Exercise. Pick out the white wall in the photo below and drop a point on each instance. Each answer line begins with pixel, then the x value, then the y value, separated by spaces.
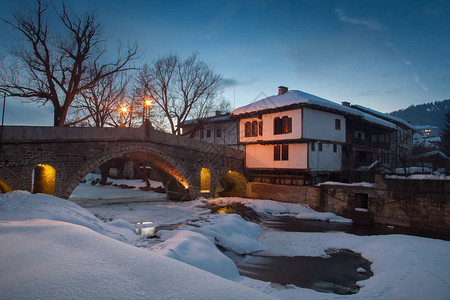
pixel 325 160
pixel 320 125
pixel 261 157
pixel 267 120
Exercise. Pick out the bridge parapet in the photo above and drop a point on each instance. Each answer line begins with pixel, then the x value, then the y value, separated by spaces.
pixel 43 134
pixel 46 133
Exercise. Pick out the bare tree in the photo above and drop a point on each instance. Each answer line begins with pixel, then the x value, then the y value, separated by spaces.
pixel 181 89
pixel 56 67
pixel 100 104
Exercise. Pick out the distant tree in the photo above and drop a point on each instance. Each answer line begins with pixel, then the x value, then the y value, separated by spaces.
pixel 57 66
pixel 180 89
pixel 445 136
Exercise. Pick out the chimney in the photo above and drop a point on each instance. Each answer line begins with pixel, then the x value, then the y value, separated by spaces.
pixel 218 113
pixel 345 103
pixel 282 90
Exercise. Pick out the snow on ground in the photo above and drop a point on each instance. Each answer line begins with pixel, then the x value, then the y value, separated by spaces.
pixel 405 267
pixel 86 190
pixel 51 248
pixel 21 206
pixel 43 259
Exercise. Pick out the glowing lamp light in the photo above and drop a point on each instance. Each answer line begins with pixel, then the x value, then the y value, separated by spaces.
pixel 124 109
pixel 148 102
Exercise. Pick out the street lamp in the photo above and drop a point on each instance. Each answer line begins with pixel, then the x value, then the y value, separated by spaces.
pixel 147 104
pixel 123 111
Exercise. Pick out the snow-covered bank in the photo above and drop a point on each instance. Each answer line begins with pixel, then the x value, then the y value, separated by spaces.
pixel 51 248
pixel 275 208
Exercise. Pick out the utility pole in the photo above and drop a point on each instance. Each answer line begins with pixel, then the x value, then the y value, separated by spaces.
pixel 3 121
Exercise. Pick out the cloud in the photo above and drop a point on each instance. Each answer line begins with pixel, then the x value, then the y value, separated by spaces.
pixel 394 49
pixel 370 23
pixel 419 82
pixel 231 82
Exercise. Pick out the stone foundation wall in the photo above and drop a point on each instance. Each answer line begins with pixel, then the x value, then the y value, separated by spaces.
pixel 422 204
pixel 287 193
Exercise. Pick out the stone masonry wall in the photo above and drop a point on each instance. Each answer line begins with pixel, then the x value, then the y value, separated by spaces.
pixel 287 193
pixel 422 204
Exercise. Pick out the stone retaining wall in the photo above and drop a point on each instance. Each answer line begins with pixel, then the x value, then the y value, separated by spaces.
pixel 422 204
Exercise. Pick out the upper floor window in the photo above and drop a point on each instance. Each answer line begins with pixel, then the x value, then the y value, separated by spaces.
pixel 320 146
pixel 253 128
pixel 334 148
pixel 282 125
pixel 208 132
pixel 337 124
pixel 313 146
pixel 218 132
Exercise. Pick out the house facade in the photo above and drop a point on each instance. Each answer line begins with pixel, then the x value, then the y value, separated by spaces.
pixel 218 129
pixel 298 138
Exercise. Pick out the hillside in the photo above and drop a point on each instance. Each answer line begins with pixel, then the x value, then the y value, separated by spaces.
pixel 432 113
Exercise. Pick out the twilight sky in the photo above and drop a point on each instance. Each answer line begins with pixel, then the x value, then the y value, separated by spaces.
pixel 385 55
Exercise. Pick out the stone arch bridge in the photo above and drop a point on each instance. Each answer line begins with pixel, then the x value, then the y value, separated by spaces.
pixel 73 152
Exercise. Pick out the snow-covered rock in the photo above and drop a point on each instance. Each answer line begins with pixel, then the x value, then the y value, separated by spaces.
pixel 196 250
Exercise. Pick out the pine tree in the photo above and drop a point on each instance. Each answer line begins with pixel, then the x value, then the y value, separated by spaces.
pixel 445 136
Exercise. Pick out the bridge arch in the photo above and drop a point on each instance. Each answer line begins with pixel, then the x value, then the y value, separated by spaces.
pixel 11 180
pixel 46 159
pixel 231 183
pixel 174 174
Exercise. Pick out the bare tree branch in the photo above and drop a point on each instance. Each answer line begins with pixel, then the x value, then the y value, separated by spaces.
pixel 57 66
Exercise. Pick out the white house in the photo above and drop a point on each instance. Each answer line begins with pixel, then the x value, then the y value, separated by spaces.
pixel 296 138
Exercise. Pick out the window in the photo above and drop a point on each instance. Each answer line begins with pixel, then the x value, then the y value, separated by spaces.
pixel 337 124
pixel 282 125
pixel 202 134
pixel 320 146
pixel 334 148
pixel 313 146
pixel 285 152
pixel 360 135
pixel 276 152
pixel 208 132
pixel 260 125
pixel 277 126
pixel 362 200
pixel 218 132
pixel 255 128
pixel 281 149
pixel 248 129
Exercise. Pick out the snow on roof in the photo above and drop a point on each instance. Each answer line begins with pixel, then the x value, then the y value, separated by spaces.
pixel 221 118
pixel 421 127
pixel 384 116
pixel 298 97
